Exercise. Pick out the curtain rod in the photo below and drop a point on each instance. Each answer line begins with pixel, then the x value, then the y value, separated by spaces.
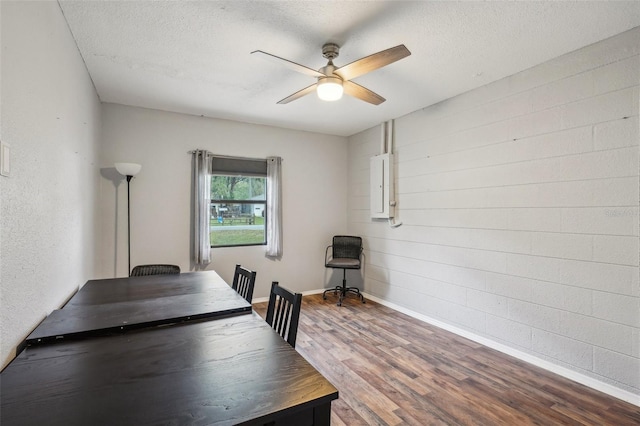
pixel 228 156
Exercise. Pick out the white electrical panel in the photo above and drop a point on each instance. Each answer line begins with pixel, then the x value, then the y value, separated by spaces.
pixel 381 187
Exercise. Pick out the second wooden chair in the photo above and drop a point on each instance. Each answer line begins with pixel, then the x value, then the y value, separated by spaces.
pixel 283 312
pixel 243 282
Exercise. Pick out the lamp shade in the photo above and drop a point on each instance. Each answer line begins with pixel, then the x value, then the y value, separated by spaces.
pixel 329 88
pixel 128 169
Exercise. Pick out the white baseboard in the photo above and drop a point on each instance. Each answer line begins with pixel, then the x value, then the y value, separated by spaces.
pixel 549 366
pixel 304 293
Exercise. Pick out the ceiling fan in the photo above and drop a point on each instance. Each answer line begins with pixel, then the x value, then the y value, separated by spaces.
pixel 333 81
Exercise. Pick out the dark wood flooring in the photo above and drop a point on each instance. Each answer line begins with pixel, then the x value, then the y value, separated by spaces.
pixel 391 369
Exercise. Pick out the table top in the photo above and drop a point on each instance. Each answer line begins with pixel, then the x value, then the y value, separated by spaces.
pixel 114 290
pixel 232 370
pixel 122 304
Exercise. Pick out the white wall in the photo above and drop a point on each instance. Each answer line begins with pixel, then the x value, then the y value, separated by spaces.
pixel 50 117
pixel 520 210
pixel 314 193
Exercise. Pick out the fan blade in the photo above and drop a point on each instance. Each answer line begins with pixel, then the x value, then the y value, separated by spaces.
pixel 362 93
pixel 296 67
pixel 299 94
pixel 372 62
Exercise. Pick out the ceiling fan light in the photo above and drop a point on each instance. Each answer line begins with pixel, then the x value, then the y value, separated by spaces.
pixel 329 88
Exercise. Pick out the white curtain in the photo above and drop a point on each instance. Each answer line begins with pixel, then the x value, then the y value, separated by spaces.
pixel 274 207
pixel 201 179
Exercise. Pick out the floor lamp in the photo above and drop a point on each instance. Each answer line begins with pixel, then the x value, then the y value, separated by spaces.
pixel 129 170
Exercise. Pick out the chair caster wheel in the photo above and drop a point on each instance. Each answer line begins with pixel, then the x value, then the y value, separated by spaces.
pixel 324 297
pixel 364 301
pixel 339 304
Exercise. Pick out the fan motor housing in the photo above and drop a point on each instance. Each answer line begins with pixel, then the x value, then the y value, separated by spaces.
pixel 330 51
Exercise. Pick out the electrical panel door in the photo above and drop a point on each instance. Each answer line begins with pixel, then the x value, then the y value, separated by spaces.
pixel 381 186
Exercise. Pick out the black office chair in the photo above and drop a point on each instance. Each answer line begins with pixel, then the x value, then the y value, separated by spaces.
pixel 346 253
pixel 283 312
pixel 142 270
pixel 243 282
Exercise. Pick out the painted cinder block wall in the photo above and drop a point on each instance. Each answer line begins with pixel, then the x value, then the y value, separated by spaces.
pixel 519 203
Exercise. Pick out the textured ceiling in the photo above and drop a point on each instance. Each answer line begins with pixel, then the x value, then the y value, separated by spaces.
pixel 194 57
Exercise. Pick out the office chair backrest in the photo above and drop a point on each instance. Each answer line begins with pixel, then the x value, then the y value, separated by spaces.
pixel 346 247
pixel 142 270
pixel 283 312
pixel 243 282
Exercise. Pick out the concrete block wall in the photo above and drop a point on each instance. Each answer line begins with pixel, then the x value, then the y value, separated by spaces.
pixel 519 202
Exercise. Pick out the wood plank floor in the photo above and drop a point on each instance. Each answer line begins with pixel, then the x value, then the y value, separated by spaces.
pixel 391 369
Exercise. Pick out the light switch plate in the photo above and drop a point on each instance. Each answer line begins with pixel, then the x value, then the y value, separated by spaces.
pixel 5 159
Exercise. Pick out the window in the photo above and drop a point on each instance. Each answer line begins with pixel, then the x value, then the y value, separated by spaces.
pixel 238 202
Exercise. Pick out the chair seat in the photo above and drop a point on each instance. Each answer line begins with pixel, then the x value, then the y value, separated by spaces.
pixel 342 262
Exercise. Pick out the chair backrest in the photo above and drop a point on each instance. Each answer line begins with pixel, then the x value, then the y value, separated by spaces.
pixel 142 270
pixel 243 282
pixel 283 312
pixel 346 247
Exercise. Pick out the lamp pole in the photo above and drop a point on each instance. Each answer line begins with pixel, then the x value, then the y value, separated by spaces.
pixel 129 170
pixel 129 177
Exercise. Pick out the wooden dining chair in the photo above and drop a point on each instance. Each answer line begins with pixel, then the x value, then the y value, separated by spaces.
pixel 283 312
pixel 142 270
pixel 243 282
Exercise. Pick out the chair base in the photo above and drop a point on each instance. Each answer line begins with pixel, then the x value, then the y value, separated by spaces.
pixel 343 290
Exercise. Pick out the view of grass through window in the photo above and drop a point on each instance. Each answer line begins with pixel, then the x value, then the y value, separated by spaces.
pixel 238 209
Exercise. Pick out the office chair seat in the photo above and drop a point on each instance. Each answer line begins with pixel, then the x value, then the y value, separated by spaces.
pixel 343 263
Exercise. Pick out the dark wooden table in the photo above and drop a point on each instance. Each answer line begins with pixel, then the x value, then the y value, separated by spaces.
pixel 229 371
pixel 115 305
pixel 150 287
